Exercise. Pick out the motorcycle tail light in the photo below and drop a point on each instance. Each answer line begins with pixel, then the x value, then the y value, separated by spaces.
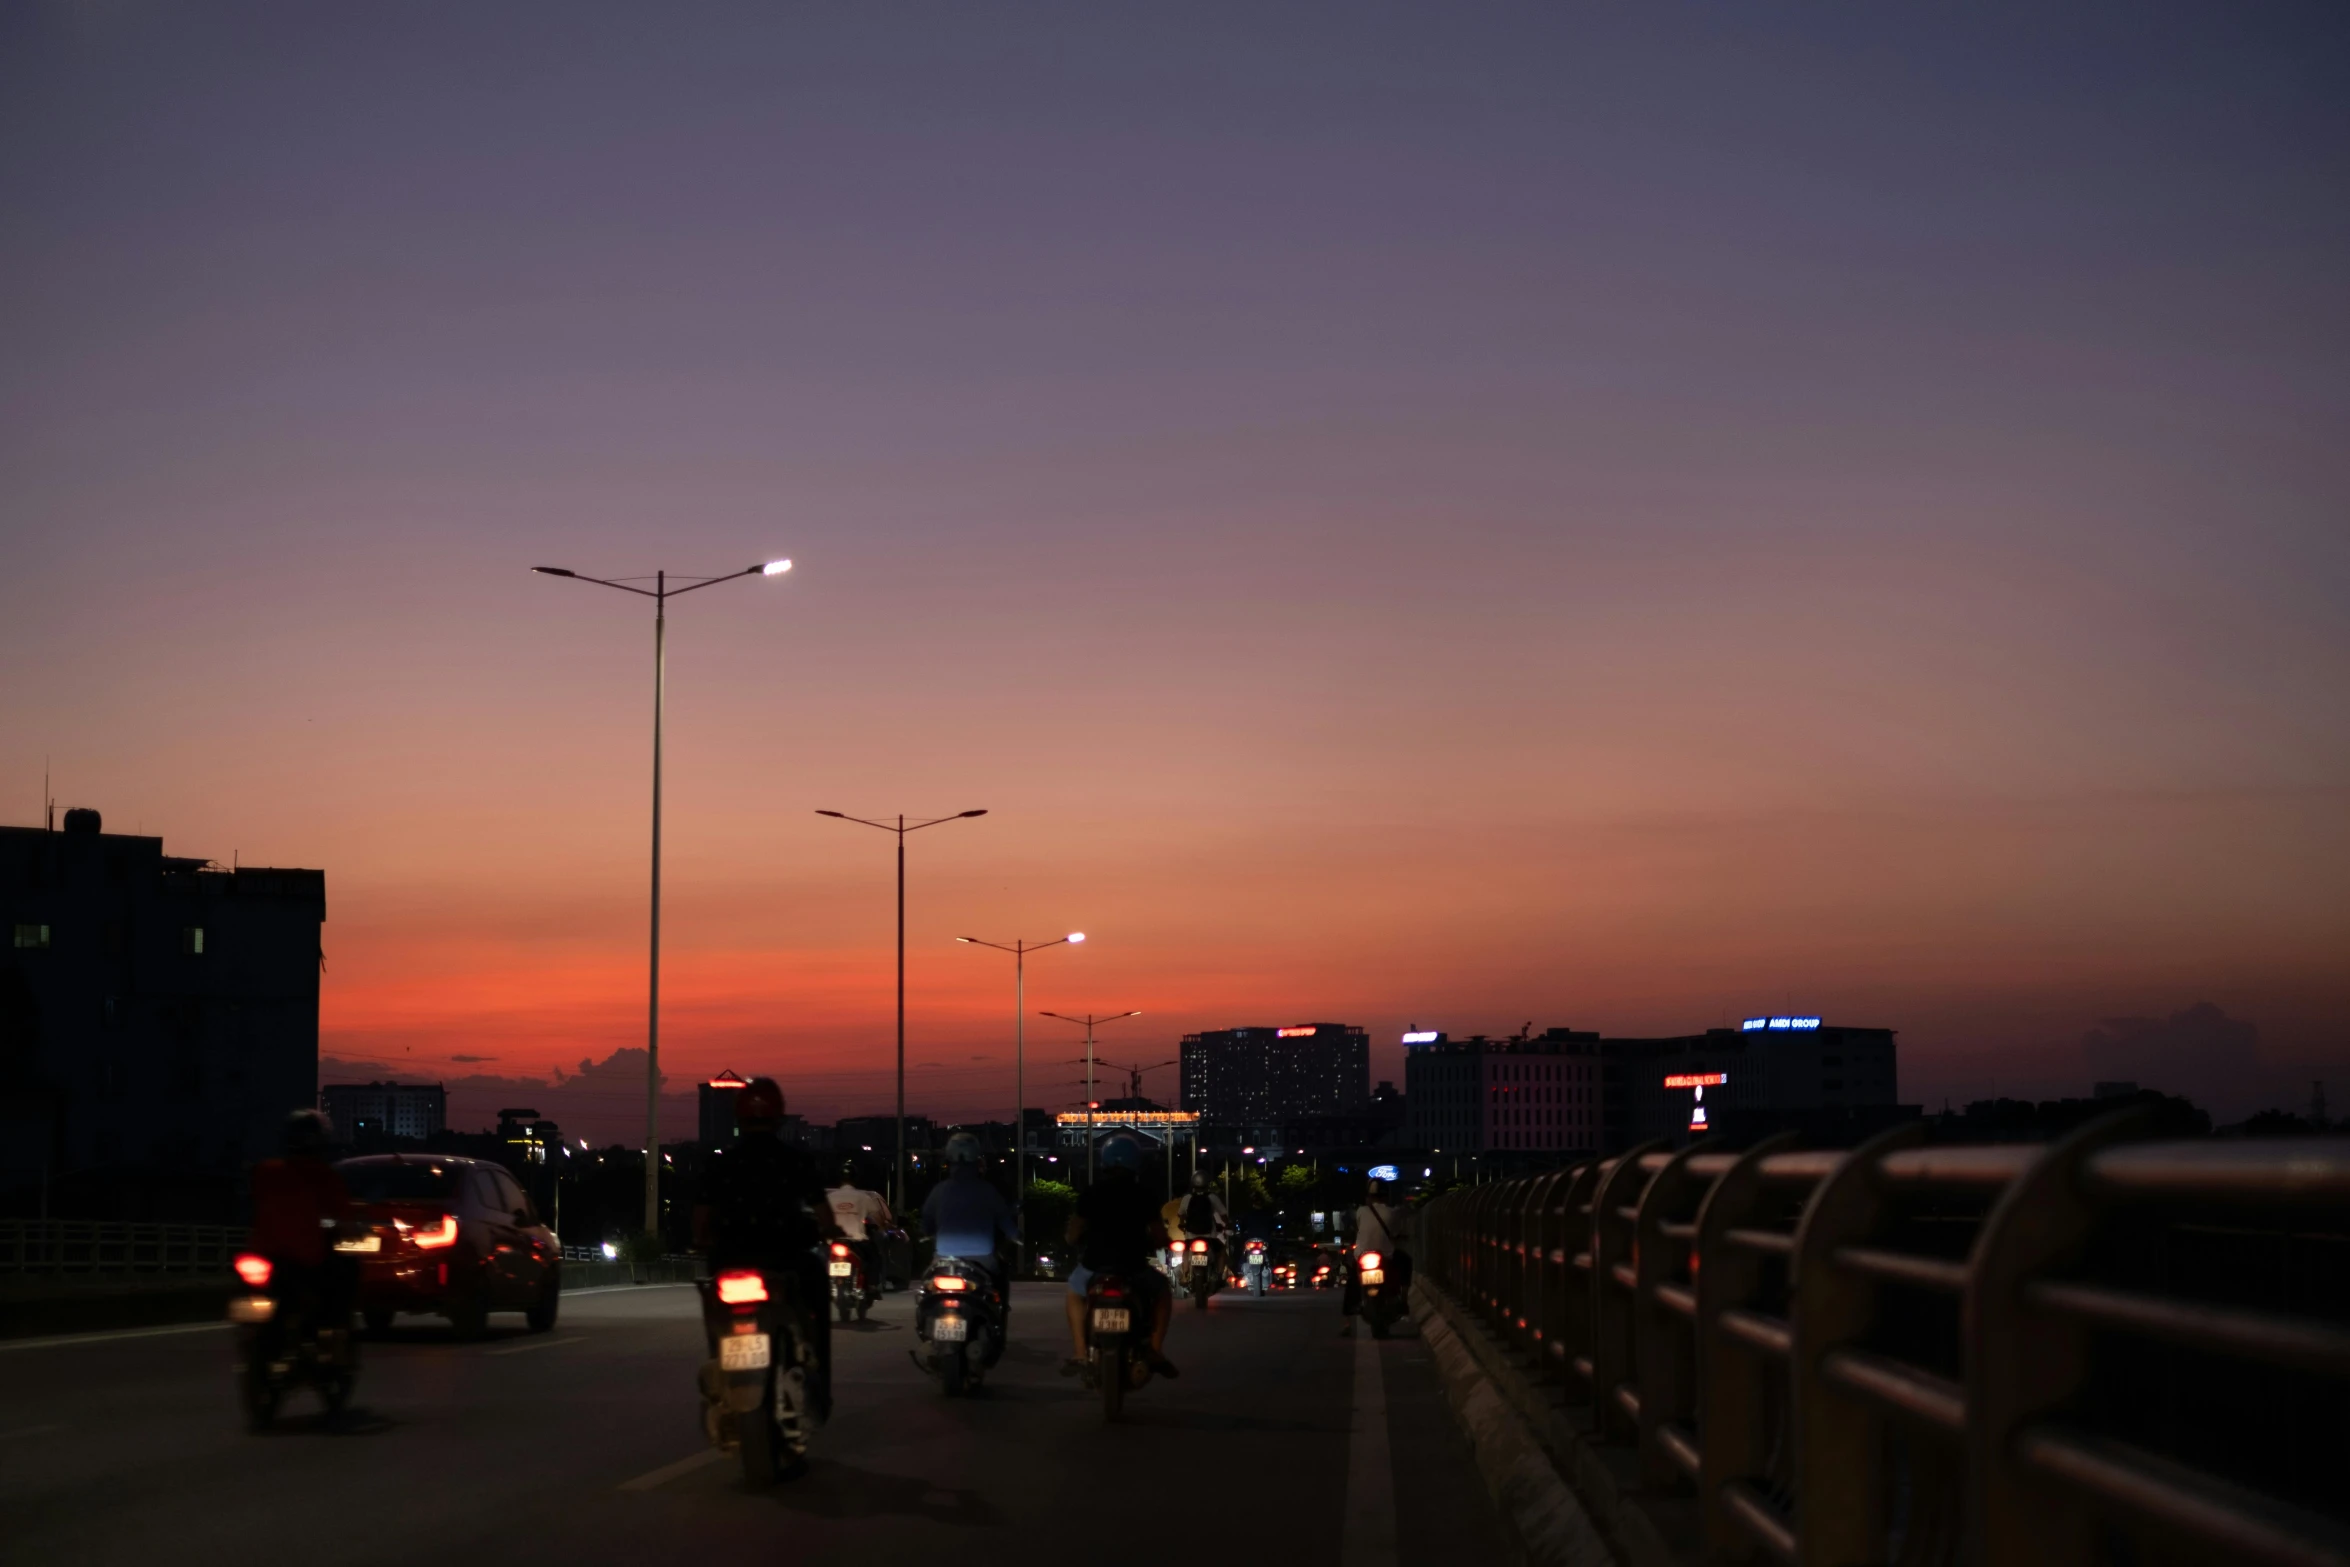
pixel 1199 1245
pixel 253 1270
pixel 1369 1259
pixel 839 1250
pixel 950 1282
pixel 741 1287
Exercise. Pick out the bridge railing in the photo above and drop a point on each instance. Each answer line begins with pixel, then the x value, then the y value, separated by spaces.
pixel 2103 1348
pixel 107 1248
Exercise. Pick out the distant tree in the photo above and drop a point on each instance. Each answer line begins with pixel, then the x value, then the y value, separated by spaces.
pixel 1045 1210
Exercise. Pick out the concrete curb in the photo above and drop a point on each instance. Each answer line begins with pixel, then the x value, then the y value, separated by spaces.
pixel 1533 1455
pixel 1548 1523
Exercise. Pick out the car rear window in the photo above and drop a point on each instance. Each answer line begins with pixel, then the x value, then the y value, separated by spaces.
pixel 400 1182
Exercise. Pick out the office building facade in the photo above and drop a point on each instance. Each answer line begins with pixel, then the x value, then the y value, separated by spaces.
pixel 158 1014
pixel 1544 1094
pixel 1272 1076
pixel 371 1115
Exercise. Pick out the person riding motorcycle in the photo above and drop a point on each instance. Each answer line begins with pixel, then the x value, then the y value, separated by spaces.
pixel 764 1207
pixel 299 1203
pixel 861 1216
pixel 1378 1227
pixel 1117 1228
pixel 964 1215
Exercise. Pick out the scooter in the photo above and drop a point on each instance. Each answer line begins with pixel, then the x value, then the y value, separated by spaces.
pixel 758 1393
pixel 1117 1329
pixel 853 1294
pixel 959 1317
pixel 284 1341
pixel 1255 1255
pixel 1382 1303
pixel 1203 1270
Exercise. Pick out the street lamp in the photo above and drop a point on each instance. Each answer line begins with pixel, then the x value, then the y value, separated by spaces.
pixel 660 593
pixel 897 1198
pixel 1090 1022
pixel 1019 951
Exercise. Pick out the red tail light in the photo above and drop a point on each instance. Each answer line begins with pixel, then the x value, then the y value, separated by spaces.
pixel 1369 1259
pixel 839 1249
pixel 253 1270
pixel 441 1232
pixel 950 1282
pixel 1199 1245
pixel 741 1287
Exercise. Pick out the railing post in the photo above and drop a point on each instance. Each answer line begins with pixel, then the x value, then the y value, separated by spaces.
pixel 1664 1348
pixel 1611 1302
pixel 1736 1439
pixel 2021 1363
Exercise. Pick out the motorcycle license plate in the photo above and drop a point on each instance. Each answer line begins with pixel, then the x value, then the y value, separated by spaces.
pixel 843 1270
pixel 1109 1319
pixel 1374 1275
pixel 743 1352
pixel 252 1308
pixel 361 1243
pixel 949 1330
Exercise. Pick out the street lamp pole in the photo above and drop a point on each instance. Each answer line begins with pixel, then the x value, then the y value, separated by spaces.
pixel 1019 951
pixel 901 827
pixel 660 593
pixel 1089 1020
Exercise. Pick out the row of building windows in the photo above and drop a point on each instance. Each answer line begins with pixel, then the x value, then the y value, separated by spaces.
pixel 35 938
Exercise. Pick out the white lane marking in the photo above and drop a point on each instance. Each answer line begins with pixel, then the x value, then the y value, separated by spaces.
pixel 109 1338
pixel 613 1289
pixel 1367 1532
pixel 27 1431
pixel 669 1472
pixel 545 1343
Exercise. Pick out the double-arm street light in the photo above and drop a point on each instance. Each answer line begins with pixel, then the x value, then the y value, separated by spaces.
pixel 901 827
pixel 660 593
pixel 1089 1022
pixel 1019 951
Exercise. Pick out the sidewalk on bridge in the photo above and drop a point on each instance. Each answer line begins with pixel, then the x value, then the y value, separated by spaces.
pixel 1571 1501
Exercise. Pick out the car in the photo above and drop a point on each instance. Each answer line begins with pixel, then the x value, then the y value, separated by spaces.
pixel 445 1236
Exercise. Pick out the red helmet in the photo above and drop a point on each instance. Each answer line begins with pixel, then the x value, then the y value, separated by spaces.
pixel 759 1100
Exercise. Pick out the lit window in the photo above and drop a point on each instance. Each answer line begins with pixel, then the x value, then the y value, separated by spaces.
pixel 36 936
pixel 192 940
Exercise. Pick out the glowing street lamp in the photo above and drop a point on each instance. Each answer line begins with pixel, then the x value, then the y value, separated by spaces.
pixel 1019 951
pixel 660 593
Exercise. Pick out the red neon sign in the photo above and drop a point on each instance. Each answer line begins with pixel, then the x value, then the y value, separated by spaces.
pixel 1294 1033
pixel 1697 1080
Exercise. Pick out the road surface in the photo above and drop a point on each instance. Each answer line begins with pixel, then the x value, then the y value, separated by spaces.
pixel 1281 1442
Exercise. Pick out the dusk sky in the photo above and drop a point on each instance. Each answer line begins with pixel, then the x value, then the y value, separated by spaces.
pixel 1620 517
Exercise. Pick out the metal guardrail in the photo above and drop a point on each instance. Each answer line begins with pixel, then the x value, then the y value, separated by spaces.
pixel 2099 1349
pixel 105 1248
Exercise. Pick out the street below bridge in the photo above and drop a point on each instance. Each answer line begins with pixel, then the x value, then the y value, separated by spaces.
pixel 1281 1441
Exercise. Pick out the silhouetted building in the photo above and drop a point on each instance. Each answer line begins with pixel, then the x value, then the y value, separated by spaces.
pixel 372 1115
pixel 1543 1095
pixel 878 1134
pixel 1766 1075
pixel 717 1107
pixel 1270 1076
pixel 158 1018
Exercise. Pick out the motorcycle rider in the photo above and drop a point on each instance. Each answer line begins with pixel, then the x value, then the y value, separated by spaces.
pixel 964 1214
pixel 1378 1227
pixel 862 1215
pixel 1116 1227
pixel 763 1206
pixel 299 1202
pixel 1204 1215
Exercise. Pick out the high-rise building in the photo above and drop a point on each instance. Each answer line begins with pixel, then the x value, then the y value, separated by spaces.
pixel 1269 1076
pixel 369 1115
pixel 717 1107
pixel 1545 1094
pixel 158 1015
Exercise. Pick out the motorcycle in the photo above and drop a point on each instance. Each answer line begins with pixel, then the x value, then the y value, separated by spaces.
pixel 1256 1269
pixel 284 1341
pixel 1117 1327
pixel 1382 1303
pixel 1203 1270
pixel 758 1394
pixel 959 1316
pixel 853 1294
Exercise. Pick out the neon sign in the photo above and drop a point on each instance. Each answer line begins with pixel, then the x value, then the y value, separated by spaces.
pixel 1751 1024
pixel 1294 1033
pixel 1425 1036
pixel 1697 1080
pixel 1383 1172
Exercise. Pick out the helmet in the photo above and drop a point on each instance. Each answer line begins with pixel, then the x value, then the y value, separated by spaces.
pixel 759 1100
pixel 1121 1153
pixel 848 1172
pixel 963 1148
pixel 1199 1180
pixel 306 1132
